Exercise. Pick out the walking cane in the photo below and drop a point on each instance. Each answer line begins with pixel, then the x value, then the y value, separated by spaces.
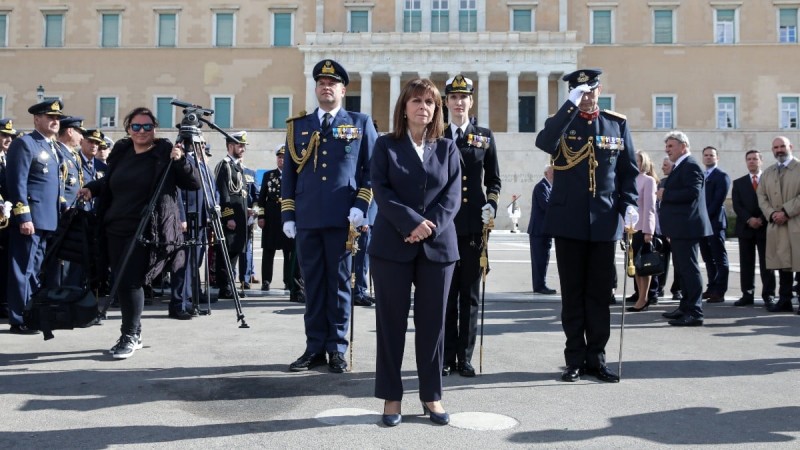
pixel 484 270
pixel 630 272
pixel 352 246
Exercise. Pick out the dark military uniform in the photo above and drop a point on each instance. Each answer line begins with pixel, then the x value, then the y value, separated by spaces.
pixel 594 182
pixel 233 202
pixel 246 261
pixel 326 174
pixel 479 169
pixel 32 179
pixel 7 129
pixel 272 237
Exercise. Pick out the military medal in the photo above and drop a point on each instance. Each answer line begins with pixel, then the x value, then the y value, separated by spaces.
pixel 347 149
pixel 478 141
pixel 44 156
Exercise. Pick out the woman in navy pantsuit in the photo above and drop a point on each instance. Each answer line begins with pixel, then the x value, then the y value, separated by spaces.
pixel 416 180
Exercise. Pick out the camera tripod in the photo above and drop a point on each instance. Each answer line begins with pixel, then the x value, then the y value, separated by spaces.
pixel 191 139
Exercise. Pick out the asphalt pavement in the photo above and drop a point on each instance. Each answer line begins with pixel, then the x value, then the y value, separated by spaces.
pixel 207 383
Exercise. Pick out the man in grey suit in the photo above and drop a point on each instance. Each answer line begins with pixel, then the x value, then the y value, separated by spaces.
pixel 684 220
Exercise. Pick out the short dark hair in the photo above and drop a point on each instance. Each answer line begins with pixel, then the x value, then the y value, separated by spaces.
pixel 749 152
pixel 141 110
pixel 708 147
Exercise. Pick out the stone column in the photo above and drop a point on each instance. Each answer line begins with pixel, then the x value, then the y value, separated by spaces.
pixel 562 91
pixel 542 100
pixel 394 92
pixel 424 75
pixel 311 99
pixel 562 15
pixel 483 100
pixel 366 92
pixel 512 124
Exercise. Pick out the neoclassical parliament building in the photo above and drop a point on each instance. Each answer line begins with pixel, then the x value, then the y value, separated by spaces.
pixel 724 71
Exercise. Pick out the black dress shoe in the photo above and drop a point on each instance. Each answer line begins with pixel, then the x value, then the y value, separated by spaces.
pixel 602 373
pixel 297 297
pixel 686 321
pixel 225 294
pixel 467 370
pixel 22 329
pixel 706 295
pixel 677 295
pixel 308 360
pixel 635 309
pixel 437 418
pixel 336 362
pixel 652 300
pixel 361 301
pixel 447 368
pixel 545 291
pixel 571 374
pixel 715 298
pixel 674 314
pixel 245 285
pixel 783 305
pixel 180 315
pixel 769 301
pixel 265 286
pixel 633 298
pixel 660 293
pixel 744 301
pixel 612 300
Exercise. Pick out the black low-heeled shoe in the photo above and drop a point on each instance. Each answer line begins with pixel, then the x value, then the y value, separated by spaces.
pixel 635 309
pixel 437 418
pixel 391 420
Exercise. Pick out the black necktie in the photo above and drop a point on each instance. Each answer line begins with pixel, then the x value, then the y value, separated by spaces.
pixel 326 121
pixel 459 134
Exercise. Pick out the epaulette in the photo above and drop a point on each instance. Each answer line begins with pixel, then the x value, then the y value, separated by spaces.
pixel 615 114
pixel 301 114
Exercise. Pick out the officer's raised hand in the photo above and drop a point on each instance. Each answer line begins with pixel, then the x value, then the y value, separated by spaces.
pixel 487 213
pixel 290 229
pixel 356 217
pixel 576 93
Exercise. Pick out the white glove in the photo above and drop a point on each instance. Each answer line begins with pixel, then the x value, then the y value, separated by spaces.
pixel 356 217
pixel 6 207
pixel 631 217
pixel 487 213
pixel 289 229
pixel 576 93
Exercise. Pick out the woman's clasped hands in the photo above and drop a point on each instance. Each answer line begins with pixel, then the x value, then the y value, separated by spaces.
pixel 421 232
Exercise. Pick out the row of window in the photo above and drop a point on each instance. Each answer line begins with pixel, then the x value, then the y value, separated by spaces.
pixel 167 24
pixel 726 25
pixel 168 115
pixel 727 107
pixel 664 111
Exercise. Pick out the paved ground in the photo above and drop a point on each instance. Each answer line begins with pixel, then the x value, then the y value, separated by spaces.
pixel 205 383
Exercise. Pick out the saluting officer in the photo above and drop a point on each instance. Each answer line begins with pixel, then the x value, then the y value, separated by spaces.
pixel 478 169
pixel 594 189
pixel 34 191
pixel 233 202
pixel 325 188
pixel 7 134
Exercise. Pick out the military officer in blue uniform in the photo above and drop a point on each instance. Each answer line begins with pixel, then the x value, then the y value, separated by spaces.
pixel 33 185
pixel 232 192
pixel 93 168
pixel 594 194
pixel 325 188
pixel 479 169
pixel 70 135
pixel 7 134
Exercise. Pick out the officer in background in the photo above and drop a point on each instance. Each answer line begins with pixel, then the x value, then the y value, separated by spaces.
pixel 246 261
pixel 70 135
pixel 233 202
pixel 325 189
pixel 269 220
pixel 479 168
pixel 33 189
pixel 93 168
pixel 361 260
pixel 540 242
pixel 594 189
pixel 7 134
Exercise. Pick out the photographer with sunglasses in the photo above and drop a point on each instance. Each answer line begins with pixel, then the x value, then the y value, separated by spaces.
pixel 135 166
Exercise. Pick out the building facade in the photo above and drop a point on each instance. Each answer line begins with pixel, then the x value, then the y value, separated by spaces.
pixel 722 70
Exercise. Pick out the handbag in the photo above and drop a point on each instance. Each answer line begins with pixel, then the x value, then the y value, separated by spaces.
pixel 61 308
pixel 650 263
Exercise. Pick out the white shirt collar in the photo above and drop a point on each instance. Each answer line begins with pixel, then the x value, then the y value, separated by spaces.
pixel 454 128
pixel 321 112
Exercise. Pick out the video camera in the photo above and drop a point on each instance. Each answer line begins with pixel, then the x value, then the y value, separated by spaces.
pixel 192 121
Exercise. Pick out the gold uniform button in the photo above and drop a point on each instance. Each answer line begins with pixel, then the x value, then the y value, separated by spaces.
pixel 324 152
pixel 464 189
pixel 324 178
pixel 324 140
pixel 465 200
pixel 464 178
pixel 324 165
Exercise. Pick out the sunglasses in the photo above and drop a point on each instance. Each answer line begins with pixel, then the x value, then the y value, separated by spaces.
pixel 137 127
